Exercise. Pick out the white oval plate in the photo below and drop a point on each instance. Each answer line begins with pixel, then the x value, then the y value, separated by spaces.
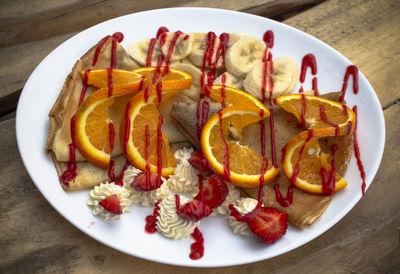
pixel 222 247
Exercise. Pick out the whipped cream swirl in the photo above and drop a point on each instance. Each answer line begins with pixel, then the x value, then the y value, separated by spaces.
pixel 170 224
pixel 104 190
pixel 243 206
pixel 185 177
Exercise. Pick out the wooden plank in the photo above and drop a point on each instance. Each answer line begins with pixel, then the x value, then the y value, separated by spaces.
pixel 26 40
pixel 77 15
pixel 366 32
pixel 32 234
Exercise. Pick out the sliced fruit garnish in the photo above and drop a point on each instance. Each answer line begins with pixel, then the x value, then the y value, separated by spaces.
pixel 214 192
pixel 268 224
pixel 140 123
pixel 102 77
pixel 93 126
pixel 198 161
pixel 302 161
pixel 318 113
pixel 171 78
pixel 235 97
pixel 307 167
pixel 146 181
pixel 194 210
pixel 111 204
pixel 237 163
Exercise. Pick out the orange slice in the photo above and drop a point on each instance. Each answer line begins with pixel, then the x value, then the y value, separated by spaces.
pixel 303 160
pixel 92 122
pixel 235 97
pixel 319 113
pixel 101 77
pixel 245 165
pixel 171 78
pixel 140 114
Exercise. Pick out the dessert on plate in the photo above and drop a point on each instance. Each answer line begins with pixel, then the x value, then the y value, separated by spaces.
pixel 196 125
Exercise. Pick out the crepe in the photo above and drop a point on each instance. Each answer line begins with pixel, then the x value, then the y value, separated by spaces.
pixel 306 207
pixel 59 136
pixel 184 116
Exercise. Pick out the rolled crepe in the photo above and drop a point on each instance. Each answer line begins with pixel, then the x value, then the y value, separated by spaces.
pixel 306 208
pixel 59 136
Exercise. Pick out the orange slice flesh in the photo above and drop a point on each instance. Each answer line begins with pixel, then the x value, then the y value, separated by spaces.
pixel 245 165
pixel 309 160
pixel 302 155
pixel 92 122
pixel 235 97
pixel 171 78
pixel 314 108
pixel 138 115
pixel 100 77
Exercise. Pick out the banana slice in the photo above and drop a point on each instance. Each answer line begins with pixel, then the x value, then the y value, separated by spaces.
pixel 199 44
pixel 230 80
pixel 234 37
pixel 195 90
pixel 244 55
pixel 138 50
pixel 285 76
pixel 181 48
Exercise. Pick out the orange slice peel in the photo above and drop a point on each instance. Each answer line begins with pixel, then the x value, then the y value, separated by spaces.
pixel 139 114
pixel 101 77
pixel 234 97
pixel 302 160
pixel 92 123
pixel 169 78
pixel 245 165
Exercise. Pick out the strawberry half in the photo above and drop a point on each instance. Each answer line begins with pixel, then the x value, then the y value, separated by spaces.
pixel 194 210
pixel 267 223
pixel 111 204
pixel 146 181
pixel 198 161
pixel 214 192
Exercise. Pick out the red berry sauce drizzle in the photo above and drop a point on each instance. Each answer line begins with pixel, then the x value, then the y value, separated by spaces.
pixel 328 180
pixel 151 220
pixel 70 174
pixel 352 70
pixel 309 62
pixel 197 248
pixel 268 84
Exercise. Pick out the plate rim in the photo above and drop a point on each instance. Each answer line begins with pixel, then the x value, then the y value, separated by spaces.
pixel 322 230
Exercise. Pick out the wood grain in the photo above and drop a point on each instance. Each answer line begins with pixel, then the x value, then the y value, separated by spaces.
pixel 35 238
pixel 25 40
pixel 366 32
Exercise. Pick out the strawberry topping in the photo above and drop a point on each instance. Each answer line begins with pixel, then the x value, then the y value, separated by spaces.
pixel 267 223
pixel 198 161
pixel 214 192
pixel 194 210
pixel 146 181
pixel 111 204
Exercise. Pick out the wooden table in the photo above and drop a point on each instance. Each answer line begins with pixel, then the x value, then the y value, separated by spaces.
pixel 35 238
